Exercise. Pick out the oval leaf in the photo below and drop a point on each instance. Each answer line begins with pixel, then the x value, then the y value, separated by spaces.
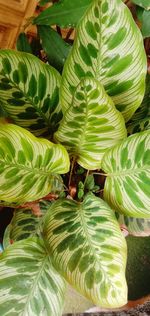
pixel 91 125
pixel 28 165
pixel 109 47
pixel 29 90
pixel 128 168
pixel 79 236
pixel 29 284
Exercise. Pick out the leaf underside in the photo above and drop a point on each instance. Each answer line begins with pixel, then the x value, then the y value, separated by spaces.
pixel 128 168
pixel 109 47
pixel 29 285
pixel 91 125
pixel 28 165
pixel 79 239
pixel 29 90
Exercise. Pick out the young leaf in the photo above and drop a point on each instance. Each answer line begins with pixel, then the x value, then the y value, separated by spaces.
pixel 23 43
pixel 28 165
pixel 128 168
pixel 65 13
pixel 55 47
pixel 109 47
pixel 142 3
pixel 79 237
pixel 135 226
pixel 91 125
pixel 29 90
pixel 29 284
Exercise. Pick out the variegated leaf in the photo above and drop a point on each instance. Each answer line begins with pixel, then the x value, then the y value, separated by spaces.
pixel 144 110
pixel 28 165
pixel 127 186
pixel 25 224
pixel 91 125
pixel 29 284
pixel 134 226
pixel 88 249
pixel 29 90
pixel 139 126
pixel 109 47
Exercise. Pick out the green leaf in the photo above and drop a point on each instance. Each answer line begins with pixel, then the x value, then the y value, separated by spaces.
pixel 146 24
pixel 25 224
pixel 65 13
pixel 139 126
pixel 135 226
pixel 29 90
pixel 90 182
pixel 28 165
pixel 142 3
pixel 91 125
pixel 55 47
pixel 29 284
pixel 23 43
pixel 109 47
pixel 128 176
pixel 144 110
pixel 79 237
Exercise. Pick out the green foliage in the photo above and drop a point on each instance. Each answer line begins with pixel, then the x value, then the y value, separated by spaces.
pixel 128 169
pixel 92 113
pixel 79 239
pixel 116 59
pixel 28 165
pixel 102 85
pixel 64 13
pixel 55 47
pixel 142 3
pixel 134 226
pixel 23 43
pixel 33 285
pixel 29 92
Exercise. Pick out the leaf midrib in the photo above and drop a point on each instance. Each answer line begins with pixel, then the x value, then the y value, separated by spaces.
pixel 30 101
pixel 26 168
pixel 34 285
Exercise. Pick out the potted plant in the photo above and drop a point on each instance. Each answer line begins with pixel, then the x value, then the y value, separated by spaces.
pixel 67 165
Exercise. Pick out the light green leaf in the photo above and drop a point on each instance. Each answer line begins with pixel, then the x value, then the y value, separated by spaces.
pixel 29 90
pixel 28 165
pixel 139 126
pixel 79 236
pixel 128 176
pixel 135 226
pixel 142 3
pixel 54 46
pixel 29 284
pixel 109 47
pixel 65 13
pixel 91 125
